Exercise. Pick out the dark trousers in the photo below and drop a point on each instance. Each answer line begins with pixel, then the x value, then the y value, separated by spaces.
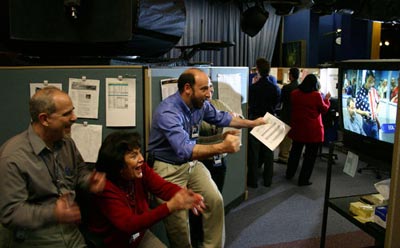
pixel 259 154
pixel 217 172
pixel 218 175
pixel 310 155
pixel 371 129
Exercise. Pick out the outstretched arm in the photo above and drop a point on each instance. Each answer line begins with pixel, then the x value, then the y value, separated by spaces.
pixel 238 122
pixel 230 144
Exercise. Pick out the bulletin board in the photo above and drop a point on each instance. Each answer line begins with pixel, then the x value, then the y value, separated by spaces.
pixel 15 94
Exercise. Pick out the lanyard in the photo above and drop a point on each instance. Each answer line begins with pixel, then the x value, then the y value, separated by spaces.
pixel 56 175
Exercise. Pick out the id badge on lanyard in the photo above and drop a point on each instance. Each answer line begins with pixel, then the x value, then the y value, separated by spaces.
pixel 217 160
pixel 195 131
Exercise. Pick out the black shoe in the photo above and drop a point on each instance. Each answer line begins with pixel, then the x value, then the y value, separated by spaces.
pixel 267 185
pixel 288 177
pixel 305 183
pixel 252 185
pixel 280 161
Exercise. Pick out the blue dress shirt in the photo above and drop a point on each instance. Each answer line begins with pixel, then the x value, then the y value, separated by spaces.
pixel 172 124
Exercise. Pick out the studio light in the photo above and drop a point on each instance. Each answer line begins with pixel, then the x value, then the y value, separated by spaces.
pixel 253 19
pixel 283 9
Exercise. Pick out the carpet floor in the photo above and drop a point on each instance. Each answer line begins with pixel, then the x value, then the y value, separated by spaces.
pixel 355 239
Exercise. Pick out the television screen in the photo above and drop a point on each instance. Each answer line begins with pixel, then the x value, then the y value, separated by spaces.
pixel 368 93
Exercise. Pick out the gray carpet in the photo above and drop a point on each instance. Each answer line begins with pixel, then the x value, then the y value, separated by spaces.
pixel 285 212
pixel 342 240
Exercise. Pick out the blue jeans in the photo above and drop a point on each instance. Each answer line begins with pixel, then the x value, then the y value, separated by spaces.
pixel 371 129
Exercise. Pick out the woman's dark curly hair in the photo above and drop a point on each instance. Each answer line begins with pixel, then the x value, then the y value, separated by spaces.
pixel 112 151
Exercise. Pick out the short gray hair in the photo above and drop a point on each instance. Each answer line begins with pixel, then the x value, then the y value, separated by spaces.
pixel 43 102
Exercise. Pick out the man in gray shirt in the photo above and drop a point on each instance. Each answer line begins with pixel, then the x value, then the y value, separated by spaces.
pixel 40 169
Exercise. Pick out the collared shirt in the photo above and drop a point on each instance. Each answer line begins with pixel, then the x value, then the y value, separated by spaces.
pixel 29 171
pixel 172 126
pixel 353 123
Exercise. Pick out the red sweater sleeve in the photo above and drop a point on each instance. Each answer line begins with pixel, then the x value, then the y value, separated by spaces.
pixel 114 206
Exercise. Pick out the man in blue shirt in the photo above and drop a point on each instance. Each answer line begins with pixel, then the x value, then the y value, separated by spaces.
pixel 172 145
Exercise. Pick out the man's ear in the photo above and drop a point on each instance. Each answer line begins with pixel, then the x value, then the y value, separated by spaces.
pixel 187 88
pixel 43 119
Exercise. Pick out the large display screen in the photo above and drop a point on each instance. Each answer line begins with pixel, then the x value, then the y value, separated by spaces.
pixel 369 102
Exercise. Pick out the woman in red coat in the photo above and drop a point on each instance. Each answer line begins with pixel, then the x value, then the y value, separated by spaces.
pixel 306 127
pixel 121 213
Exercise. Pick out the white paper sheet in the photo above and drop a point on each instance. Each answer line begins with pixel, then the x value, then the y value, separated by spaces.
pixel 230 91
pixel 37 86
pixel 168 87
pixel 120 102
pixel 272 133
pixel 85 96
pixel 88 140
pixel 350 166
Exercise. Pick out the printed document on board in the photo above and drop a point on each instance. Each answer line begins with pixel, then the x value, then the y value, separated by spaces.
pixel 84 94
pixel 272 133
pixel 37 86
pixel 120 102
pixel 88 140
pixel 230 91
pixel 168 87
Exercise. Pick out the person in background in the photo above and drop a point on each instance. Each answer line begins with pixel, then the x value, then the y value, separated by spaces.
pixel 394 89
pixel 352 120
pixel 284 147
pixel 173 148
pixel 41 168
pixel 382 89
pixel 211 134
pixel 121 213
pixel 395 93
pixel 264 97
pixel 307 129
pixel 367 102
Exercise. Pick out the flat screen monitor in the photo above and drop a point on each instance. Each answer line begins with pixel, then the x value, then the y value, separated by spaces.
pixel 368 93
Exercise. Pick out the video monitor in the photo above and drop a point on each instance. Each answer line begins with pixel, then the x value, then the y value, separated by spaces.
pixel 368 94
pixel 369 99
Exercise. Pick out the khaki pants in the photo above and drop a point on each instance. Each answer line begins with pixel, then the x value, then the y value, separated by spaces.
pixel 151 241
pixel 284 148
pixel 197 178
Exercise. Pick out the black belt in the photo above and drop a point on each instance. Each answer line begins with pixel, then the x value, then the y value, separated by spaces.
pixel 169 161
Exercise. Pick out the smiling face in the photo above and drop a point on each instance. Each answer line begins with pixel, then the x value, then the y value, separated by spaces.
pixel 60 122
pixel 133 165
pixel 200 91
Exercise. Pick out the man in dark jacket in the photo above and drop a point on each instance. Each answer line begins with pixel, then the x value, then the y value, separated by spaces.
pixel 264 97
pixel 284 147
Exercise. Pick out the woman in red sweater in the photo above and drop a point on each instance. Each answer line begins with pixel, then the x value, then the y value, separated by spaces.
pixel 306 127
pixel 121 213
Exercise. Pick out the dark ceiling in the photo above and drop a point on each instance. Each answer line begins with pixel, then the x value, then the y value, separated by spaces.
pixel 133 27
pixel 378 10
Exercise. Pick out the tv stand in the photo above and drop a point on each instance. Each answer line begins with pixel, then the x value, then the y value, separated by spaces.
pixel 373 168
pixel 341 204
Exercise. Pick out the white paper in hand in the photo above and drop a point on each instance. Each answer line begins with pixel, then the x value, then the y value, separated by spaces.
pixel 272 133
